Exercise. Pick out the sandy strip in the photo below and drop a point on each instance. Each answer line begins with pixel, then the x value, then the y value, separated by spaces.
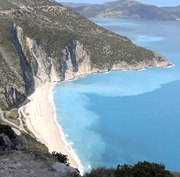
pixel 40 117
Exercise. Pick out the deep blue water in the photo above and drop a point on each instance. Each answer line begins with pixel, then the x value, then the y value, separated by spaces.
pixel 126 117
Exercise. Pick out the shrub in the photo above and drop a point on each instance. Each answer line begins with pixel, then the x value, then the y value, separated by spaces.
pixel 141 169
pixel 146 169
pixel 123 171
pixel 61 158
pixel 100 172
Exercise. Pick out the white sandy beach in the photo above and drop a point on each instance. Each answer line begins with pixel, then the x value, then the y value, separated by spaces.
pixel 40 117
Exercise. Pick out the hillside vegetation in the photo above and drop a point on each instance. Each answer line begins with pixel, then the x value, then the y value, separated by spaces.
pixel 35 36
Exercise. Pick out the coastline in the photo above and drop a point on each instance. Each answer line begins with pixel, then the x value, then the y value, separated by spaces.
pixel 39 113
pixel 40 117
pixel 76 163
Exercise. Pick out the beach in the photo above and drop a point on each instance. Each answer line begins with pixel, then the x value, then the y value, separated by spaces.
pixel 40 117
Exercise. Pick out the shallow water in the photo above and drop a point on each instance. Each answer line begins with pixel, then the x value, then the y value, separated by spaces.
pixel 125 117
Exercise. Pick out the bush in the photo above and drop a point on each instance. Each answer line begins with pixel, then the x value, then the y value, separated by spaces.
pixel 100 172
pixel 146 169
pixel 142 169
pixel 123 171
pixel 61 158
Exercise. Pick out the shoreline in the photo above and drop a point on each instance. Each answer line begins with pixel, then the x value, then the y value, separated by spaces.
pixel 63 137
pixel 41 119
pixel 40 115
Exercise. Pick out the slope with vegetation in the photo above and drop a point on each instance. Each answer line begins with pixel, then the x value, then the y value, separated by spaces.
pixel 141 169
pixel 40 36
pixel 19 158
pixel 175 11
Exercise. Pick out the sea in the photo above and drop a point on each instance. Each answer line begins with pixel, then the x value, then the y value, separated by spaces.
pixel 126 116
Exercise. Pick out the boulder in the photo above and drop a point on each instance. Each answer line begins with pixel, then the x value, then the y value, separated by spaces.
pixel 5 141
pixel 65 170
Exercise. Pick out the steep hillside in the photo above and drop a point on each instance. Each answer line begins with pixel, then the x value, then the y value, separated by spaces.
pixel 175 11
pixel 126 9
pixel 42 41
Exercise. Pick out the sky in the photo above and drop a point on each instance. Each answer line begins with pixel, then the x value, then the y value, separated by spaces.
pixel 154 2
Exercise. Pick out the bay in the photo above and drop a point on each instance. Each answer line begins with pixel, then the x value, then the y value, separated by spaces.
pixel 126 117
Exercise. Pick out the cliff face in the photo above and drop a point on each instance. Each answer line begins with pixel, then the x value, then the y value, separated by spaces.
pixel 75 61
pixel 41 41
pixel 36 65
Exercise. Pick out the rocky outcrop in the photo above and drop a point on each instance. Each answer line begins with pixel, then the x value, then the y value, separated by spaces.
pixel 65 170
pixel 75 61
pixel 23 164
pixel 5 141
pixel 40 62
pixel 25 66
pixel 13 97
pixel 35 63
pixel 9 140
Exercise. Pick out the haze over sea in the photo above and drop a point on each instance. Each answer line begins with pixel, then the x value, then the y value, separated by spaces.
pixel 126 117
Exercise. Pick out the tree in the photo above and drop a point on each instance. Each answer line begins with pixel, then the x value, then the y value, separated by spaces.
pixel 146 169
pixel 123 171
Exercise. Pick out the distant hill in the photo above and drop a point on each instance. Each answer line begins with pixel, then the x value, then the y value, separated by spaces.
pixel 175 11
pixel 126 9
pixel 72 4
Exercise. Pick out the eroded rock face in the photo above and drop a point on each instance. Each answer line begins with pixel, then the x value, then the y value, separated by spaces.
pixel 75 61
pixel 38 67
pixel 13 96
pixel 26 69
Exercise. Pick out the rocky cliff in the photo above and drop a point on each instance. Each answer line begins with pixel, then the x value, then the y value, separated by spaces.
pixel 42 41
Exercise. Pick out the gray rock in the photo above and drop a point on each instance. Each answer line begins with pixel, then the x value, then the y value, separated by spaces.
pixel 1 114
pixel 6 140
pixel 19 147
pixel 19 144
pixel 62 169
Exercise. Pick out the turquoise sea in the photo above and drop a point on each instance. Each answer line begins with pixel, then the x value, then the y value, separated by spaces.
pixel 126 117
